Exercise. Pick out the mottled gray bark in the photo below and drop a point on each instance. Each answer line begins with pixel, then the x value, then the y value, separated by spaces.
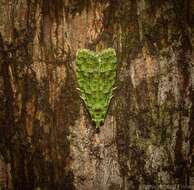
pixel 47 140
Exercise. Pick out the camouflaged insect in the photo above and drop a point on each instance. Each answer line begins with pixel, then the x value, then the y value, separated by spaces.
pixel 96 73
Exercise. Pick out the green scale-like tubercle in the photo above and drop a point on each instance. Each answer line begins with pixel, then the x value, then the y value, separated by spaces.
pixel 96 73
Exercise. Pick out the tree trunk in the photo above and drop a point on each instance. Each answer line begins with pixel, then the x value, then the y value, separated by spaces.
pixel 47 140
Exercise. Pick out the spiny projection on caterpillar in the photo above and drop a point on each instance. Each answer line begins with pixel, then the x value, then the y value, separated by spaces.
pixel 96 75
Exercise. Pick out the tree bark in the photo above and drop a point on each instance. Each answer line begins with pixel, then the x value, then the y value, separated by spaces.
pixel 47 140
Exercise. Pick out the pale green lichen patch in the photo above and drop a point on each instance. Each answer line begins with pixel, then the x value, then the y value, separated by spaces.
pixel 96 73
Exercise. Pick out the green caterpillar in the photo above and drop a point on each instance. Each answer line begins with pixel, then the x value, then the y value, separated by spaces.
pixel 96 74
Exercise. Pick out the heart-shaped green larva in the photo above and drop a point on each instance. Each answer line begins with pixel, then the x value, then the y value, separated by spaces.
pixel 96 73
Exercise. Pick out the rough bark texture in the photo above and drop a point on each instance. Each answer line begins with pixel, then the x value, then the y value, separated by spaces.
pixel 47 140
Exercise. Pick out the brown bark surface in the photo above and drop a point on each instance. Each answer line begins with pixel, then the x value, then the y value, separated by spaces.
pixel 47 141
